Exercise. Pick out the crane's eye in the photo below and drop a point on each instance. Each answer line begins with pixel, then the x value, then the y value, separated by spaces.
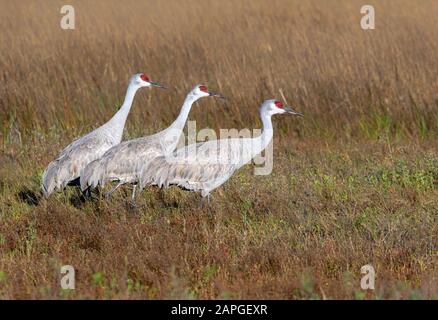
pixel 278 104
pixel 144 77
pixel 203 88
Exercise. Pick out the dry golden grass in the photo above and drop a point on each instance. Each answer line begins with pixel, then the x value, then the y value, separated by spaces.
pixel 354 182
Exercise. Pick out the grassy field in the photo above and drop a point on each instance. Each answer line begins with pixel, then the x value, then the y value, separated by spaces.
pixel 354 181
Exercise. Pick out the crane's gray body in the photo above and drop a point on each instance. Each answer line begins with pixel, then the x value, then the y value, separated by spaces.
pixel 198 167
pixel 203 167
pixel 71 162
pixel 124 162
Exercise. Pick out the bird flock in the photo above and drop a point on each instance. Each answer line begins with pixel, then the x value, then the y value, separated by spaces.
pixel 100 157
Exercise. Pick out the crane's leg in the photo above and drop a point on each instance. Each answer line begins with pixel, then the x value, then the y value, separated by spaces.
pixel 92 194
pixel 79 194
pixel 109 193
pixel 205 198
pixel 201 202
pixel 210 213
pixel 133 193
pixel 133 204
pixel 87 194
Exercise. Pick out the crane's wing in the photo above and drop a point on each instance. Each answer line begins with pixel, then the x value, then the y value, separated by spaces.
pixel 198 167
pixel 71 162
pixel 124 161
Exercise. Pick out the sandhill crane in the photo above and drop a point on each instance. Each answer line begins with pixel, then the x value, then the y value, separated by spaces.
pixel 123 162
pixel 69 164
pixel 203 167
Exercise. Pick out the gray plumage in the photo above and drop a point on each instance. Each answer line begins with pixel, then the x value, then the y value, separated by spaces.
pixel 203 167
pixel 70 163
pixel 124 162
pixel 197 167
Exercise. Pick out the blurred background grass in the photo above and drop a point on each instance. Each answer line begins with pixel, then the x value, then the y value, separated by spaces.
pixel 348 82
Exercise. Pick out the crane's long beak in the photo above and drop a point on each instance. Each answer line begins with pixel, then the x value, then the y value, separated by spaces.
pixel 214 94
pixel 293 112
pixel 157 84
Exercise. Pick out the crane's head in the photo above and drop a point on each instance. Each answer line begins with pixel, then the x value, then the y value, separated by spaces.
pixel 276 107
pixel 202 91
pixel 142 80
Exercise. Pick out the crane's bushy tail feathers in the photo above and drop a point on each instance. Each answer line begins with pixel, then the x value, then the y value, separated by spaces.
pixel 163 174
pixel 49 183
pixel 57 175
pixel 91 177
pixel 151 173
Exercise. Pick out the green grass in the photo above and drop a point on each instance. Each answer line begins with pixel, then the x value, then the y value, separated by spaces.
pixel 302 232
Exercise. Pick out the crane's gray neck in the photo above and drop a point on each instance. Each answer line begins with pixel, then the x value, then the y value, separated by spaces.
pixel 259 143
pixel 180 121
pixel 118 120
pixel 268 130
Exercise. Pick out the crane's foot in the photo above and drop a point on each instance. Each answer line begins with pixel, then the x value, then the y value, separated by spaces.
pixel 132 205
